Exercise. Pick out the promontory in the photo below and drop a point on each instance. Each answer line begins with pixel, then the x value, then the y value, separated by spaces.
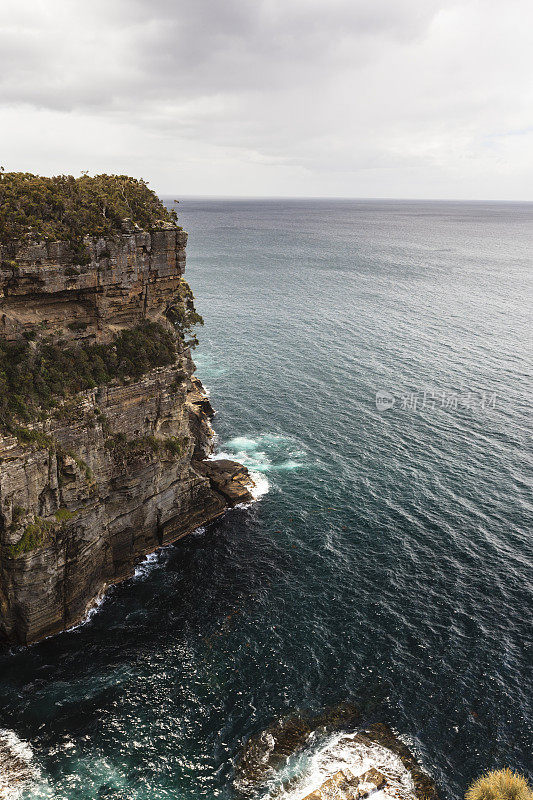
pixel 104 430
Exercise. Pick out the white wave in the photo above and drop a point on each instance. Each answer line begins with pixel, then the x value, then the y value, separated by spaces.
pixel 306 772
pixel 269 452
pixel 287 465
pixel 146 566
pixel 260 480
pixel 242 443
pixel 91 610
pixel 208 366
pixel 16 768
pixel 261 485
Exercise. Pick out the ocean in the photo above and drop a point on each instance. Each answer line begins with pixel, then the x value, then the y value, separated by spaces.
pixel 370 362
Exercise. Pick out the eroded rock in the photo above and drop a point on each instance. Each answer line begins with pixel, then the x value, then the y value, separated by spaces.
pixel 114 472
pixel 338 759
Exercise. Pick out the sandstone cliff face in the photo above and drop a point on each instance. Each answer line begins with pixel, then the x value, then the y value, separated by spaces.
pixel 115 471
pixel 129 278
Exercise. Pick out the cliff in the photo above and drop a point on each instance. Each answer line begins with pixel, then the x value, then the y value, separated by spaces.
pixel 103 449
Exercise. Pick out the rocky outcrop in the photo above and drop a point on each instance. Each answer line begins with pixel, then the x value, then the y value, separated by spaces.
pixel 113 472
pixel 344 785
pixel 342 758
pixel 17 771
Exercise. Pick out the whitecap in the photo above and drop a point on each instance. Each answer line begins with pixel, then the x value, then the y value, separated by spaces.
pixel 268 452
pixel 146 566
pixel 242 443
pixel 287 465
pixel 92 608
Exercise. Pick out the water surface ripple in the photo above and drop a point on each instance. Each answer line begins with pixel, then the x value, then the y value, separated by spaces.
pixel 390 563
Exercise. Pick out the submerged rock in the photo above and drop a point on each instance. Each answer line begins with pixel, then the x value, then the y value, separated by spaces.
pixel 328 756
pixel 381 734
pixel 265 752
pixel 344 784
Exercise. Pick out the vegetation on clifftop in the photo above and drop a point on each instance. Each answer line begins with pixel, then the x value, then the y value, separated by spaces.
pixel 67 208
pixel 37 376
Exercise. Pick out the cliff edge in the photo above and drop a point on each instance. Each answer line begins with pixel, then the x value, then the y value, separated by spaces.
pixel 104 430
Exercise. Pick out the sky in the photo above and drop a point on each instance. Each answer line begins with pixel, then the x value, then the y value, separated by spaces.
pixel 342 98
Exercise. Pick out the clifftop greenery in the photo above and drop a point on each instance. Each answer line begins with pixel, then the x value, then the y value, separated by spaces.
pixel 34 377
pixel 67 208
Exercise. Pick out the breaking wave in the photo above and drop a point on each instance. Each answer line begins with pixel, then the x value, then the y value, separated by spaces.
pixel 304 772
pixel 17 771
pixel 269 452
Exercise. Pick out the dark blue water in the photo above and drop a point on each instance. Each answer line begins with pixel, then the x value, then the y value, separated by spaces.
pixel 390 562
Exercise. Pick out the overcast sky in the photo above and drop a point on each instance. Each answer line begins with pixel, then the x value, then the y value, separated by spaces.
pixel 360 98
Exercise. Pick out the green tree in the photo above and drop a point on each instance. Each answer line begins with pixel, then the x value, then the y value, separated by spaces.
pixel 67 208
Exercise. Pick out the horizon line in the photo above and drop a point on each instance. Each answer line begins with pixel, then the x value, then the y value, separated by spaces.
pixel 167 195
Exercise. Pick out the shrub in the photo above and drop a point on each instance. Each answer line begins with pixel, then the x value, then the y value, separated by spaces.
pixel 67 208
pixel 32 436
pixel 34 535
pixel 502 784
pixel 33 378
pixel 182 313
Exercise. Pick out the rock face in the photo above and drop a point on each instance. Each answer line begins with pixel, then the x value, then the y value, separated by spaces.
pixel 116 471
pixel 129 278
pixel 344 785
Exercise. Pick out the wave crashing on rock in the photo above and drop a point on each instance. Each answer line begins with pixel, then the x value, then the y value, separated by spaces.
pixel 331 755
pixel 16 767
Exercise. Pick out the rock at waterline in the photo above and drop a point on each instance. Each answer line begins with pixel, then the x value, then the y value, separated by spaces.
pixel 16 768
pixel 344 785
pixel 330 755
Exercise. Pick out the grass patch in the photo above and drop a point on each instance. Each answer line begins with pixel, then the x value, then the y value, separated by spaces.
pixel 501 784
pixel 35 534
pixel 174 445
pixel 145 445
pixel 63 515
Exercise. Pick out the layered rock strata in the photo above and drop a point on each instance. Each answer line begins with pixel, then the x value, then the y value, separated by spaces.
pixel 115 471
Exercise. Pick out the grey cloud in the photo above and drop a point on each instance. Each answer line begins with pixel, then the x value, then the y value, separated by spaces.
pixel 303 90
pixel 113 54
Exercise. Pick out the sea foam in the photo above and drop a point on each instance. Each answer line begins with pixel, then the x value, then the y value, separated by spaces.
pixel 307 771
pixel 17 770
